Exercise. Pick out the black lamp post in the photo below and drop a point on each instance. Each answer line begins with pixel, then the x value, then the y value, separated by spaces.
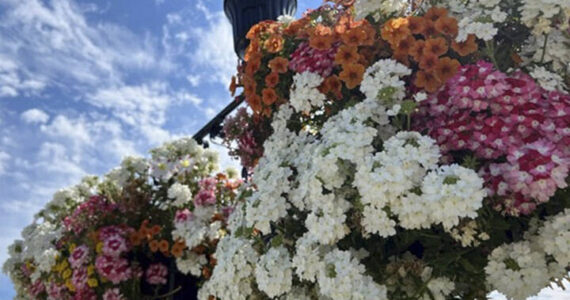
pixel 245 13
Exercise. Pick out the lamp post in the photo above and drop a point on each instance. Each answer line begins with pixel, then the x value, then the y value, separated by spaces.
pixel 243 14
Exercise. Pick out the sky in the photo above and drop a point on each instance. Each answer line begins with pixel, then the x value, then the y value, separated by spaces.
pixel 84 83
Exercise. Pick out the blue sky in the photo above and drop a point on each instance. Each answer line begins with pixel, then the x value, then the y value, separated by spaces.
pixel 84 83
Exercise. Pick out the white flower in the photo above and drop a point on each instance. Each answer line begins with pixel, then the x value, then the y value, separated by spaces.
pixel 307 260
pixel 233 275
pixel 191 263
pixel 180 194
pixel 547 80
pixel 382 81
pixel 342 277
pixel 419 97
pixel 554 237
pixel 452 192
pixel 273 272
pixel 377 8
pixel 305 93
pixel 285 19
pixel 517 270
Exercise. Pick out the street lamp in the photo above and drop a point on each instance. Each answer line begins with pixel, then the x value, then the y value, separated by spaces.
pixel 245 13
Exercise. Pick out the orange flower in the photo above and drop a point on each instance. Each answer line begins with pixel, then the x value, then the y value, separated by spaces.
pixel 249 86
pixel 255 103
pixel 321 42
pixel 200 249
pixel 163 246
pixel 447 26
pixel 465 48
pixel 272 79
pixel 154 230
pixel 354 37
pixel 153 245
pixel 279 64
pixel 437 46
pixel 404 45
pixel 428 61
pixel 370 32
pixel 233 86
pixel 269 96
pixel 206 273
pixel 435 13
pixel 342 24
pixel 394 30
pixel 346 55
pixel 416 24
pixel 429 29
pixel 295 27
pixel 178 248
pixel 446 68
pixel 135 238
pixel 252 66
pixel 427 80
pixel 274 43
pixel 352 75
pixel 401 57
pixel 252 50
pixel 417 50
pixel 331 85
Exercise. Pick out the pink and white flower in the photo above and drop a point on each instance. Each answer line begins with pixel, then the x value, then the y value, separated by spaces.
pixel 156 274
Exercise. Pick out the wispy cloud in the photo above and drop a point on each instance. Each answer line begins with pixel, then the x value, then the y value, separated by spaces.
pixel 34 115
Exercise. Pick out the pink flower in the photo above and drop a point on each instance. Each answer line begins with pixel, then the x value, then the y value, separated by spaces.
pixel 183 216
pixel 79 256
pixel 113 294
pixel 115 245
pixel 115 269
pixel 209 183
pixel 108 231
pixel 37 288
pixel 205 197
pixel 79 278
pixel 85 294
pixel 156 274
pixel 56 291
pixel 306 58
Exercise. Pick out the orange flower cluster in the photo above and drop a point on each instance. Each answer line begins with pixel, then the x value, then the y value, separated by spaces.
pixel 425 40
pixel 148 234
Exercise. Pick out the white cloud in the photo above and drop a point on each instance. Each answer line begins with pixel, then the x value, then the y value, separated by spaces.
pixel 34 115
pixel 193 79
pixel 55 41
pixel 215 49
pixel 4 158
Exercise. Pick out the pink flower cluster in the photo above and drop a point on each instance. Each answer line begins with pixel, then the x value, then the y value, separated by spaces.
pixel 306 58
pixel 37 288
pixel 79 256
pixel 87 213
pixel 207 193
pixel 238 128
pixel 156 274
pixel 517 130
pixel 182 216
pixel 114 241
pixel 57 291
pixel 113 294
pixel 115 269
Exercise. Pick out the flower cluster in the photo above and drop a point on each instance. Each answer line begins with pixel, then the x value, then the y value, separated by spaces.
pixel 115 238
pixel 515 129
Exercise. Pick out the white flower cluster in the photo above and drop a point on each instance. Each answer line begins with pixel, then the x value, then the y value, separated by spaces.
pixel 552 49
pixel 178 196
pixel 39 246
pixel 518 270
pixel 378 9
pixel 232 278
pixel 130 167
pixel 539 15
pixel 182 156
pixel 383 81
pixel 468 234
pixel 197 227
pixel 547 80
pixel 307 259
pixel 191 263
pixel 342 277
pixel 554 237
pixel 477 18
pixel 305 93
pixel 273 272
